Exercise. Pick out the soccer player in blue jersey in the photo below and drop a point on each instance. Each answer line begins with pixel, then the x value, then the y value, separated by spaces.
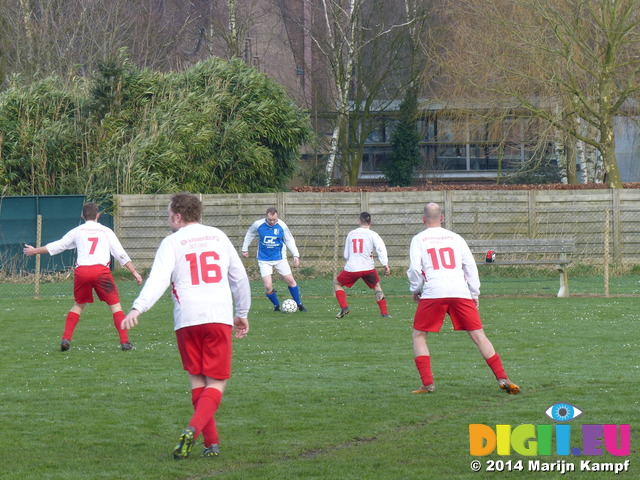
pixel 274 239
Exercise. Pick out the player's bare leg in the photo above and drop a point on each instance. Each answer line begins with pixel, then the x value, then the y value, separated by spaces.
pixel 289 280
pixel 268 283
pixel 423 362
pixel 270 292
pixel 493 360
pixel 381 301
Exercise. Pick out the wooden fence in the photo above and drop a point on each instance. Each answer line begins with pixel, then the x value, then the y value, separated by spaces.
pixel 320 221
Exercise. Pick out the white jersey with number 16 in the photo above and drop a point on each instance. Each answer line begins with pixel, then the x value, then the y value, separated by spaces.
pixel 204 271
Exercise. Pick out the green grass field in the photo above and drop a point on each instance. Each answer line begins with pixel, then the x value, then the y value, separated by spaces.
pixel 311 397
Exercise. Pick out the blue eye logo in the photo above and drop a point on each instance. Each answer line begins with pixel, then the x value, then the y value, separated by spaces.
pixel 562 412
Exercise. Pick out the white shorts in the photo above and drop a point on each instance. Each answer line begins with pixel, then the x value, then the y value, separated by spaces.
pixel 281 266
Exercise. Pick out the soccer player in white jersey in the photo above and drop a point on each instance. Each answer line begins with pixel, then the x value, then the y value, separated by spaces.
pixel 274 238
pixel 358 252
pixel 208 281
pixel 443 279
pixel 94 244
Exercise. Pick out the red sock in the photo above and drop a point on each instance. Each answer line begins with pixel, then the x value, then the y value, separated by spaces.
pixel 206 407
pixel 210 432
pixel 195 396
pixel 423 363
pixel 342 298
pixel 383 306
pixel 495 364
pixel 70 325
pixel 117 320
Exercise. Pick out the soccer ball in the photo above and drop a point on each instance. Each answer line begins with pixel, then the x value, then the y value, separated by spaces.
pixel 289 306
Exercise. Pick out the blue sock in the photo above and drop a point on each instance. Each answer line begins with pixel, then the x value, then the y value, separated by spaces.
pixel 274 298
pixel 295 293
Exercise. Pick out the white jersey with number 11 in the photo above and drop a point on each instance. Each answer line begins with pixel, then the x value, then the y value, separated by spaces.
pixel 359 248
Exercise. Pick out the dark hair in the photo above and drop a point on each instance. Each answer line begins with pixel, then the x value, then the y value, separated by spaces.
pixel 365 218
pixel 272 210
pixel 187 205
pixel 90 211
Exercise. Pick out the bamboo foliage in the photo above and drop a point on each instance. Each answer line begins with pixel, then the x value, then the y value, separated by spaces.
pixel 41 139
pixel 220 126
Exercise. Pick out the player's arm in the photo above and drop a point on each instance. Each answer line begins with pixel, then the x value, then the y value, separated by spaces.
pixel 130 320
pixel 119 253
pixel 239 284
pixel 381 251
pixel 241 292
pixel 29 250
pixel 116 249
pixel 415 275
pixel 347 247
pixel 470 270
pixel 249 236
pixel 241 326
pixel 158 281
pixel 68 242
pixel 290 242
pixel 129 266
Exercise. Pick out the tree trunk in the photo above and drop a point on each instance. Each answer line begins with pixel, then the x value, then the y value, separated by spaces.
pixel 356 161
pixel 333 151
pixel 608 152
pixel 571 170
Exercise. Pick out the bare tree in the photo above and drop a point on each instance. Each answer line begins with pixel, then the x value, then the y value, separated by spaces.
pixel 573 63
pixel 69 37
pixel 365 48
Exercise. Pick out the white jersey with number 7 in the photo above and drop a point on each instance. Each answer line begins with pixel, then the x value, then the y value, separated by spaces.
pixel 94 244
pixel 442 265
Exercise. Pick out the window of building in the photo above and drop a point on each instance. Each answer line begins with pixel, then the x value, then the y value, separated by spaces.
pixel 457 144
pixel 374 158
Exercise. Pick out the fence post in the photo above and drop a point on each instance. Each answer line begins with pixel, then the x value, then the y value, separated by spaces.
pixel 448 209
pixel 617 227
pixel 280 203
pixel 607 227
pixel 336 242
pixel 364 201
pixel 36 287
pixel 533 214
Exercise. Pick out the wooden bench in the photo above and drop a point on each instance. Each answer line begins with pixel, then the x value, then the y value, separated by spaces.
pixel 538 251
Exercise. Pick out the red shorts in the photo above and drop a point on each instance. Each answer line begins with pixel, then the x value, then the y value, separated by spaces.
pixel 347 279
pixel 94 277
pixel 206 349
pixel 430 314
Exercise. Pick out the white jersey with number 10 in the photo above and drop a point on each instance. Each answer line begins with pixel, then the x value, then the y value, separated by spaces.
pixel 442 265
